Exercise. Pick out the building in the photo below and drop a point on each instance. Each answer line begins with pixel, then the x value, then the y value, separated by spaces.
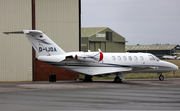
pixel 158 50
pixel 104 38
pixel 59 19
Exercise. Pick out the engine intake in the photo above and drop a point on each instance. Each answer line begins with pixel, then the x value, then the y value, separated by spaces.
pixel 90 57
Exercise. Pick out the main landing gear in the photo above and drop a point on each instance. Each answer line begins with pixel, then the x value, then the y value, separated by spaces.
pixel 88 78
pixel 161 77
pixel 117 79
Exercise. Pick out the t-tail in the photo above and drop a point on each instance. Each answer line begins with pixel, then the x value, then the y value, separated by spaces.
pixel 43 45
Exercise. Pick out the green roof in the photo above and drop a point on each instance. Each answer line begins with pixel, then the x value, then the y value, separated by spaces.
pixel 89 31
pixel 149 47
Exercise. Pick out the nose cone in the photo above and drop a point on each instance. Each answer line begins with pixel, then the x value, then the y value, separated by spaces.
pixel 175 67
pixel 172 66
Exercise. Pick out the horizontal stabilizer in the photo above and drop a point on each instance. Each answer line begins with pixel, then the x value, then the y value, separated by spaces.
pixel 16 32
pixel 25 32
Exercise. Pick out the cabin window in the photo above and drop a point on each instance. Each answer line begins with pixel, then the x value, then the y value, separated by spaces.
pixel 130 58
pixel 119 58
pixel 141 58
pixel 135 58
pixel 113 58
pixel 124 57
pixel 151 58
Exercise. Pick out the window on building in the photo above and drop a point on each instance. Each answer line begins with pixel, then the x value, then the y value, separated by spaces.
pixel 109 36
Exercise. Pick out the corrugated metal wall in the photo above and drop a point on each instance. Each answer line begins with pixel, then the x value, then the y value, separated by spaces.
pixel 15 50
pixel 59 19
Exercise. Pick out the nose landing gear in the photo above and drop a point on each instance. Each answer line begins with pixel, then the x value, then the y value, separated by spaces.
pixel 161 77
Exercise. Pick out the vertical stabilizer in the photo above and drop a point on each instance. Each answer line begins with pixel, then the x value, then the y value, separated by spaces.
pixel 42 44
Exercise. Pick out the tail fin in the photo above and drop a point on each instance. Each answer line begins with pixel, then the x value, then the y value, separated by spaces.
pixel 43 45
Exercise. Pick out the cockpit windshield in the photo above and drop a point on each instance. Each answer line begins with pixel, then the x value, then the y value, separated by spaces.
pixel 157 58
pixel 153 58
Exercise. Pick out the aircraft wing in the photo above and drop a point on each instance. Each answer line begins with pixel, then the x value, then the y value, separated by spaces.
pixel 140 69
pixel 98 70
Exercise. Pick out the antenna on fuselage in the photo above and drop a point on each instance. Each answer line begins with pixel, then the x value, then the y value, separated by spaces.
pixel 99 50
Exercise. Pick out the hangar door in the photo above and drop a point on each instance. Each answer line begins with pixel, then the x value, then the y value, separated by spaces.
pixel 94 46
pixel 114 47
pixel 16 51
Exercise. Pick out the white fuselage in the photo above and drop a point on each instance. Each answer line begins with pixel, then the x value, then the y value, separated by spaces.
pixel 115 62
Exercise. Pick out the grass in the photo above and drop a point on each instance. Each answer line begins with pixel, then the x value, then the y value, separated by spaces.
pixel 143 75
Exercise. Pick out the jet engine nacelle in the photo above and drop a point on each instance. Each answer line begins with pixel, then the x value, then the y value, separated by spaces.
pixel 90 57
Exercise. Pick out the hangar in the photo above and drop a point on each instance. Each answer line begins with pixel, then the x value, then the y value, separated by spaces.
pixel 158 50
pixel 104 38
pixel 59 19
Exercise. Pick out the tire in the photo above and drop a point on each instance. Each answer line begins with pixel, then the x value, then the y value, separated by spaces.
pixel 88 78
pixel 117 80
pixel 161 77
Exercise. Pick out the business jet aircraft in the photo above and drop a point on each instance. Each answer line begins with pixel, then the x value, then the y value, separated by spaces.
pixel 95 63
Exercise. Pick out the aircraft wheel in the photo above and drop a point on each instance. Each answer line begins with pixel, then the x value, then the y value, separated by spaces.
pixel 88 78
pixel 117 79
pixel 161 77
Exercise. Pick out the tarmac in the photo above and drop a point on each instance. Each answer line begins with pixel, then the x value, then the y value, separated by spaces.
pixel 132 94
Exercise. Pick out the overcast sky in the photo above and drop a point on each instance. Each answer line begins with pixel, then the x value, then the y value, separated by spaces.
pixel 142 22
